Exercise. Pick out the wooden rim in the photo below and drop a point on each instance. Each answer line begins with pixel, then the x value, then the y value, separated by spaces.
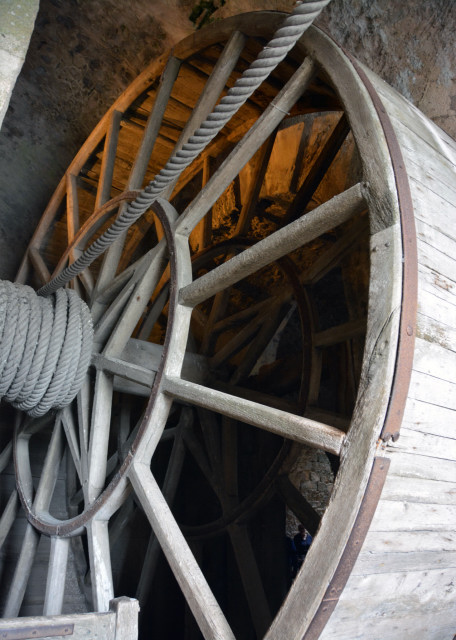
pixel 359 447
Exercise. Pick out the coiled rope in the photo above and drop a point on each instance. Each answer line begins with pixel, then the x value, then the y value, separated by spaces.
pixel 46 342
pixel 45 347
pixel 272 54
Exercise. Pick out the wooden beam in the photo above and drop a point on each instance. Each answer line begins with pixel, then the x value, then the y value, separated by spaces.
pixel 322 219
pixel 288 425
pixel 295 501
pixel 318 170
pixel 199 597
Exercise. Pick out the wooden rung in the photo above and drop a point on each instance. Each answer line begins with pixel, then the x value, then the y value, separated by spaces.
pixel 340 333
pixel 310 226
pixel 288 425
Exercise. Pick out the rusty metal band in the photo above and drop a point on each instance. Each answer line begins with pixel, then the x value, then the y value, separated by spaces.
pixel 358 534
pixel 73 526
pixel 407 326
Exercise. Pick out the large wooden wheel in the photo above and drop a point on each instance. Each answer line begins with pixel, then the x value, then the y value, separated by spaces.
pixel 248 319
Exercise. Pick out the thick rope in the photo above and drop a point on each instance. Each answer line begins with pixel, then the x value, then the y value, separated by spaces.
pixel 272 54
pixel 45 347
pixel 46 342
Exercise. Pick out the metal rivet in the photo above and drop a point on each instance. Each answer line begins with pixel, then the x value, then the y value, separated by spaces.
pixel 409 330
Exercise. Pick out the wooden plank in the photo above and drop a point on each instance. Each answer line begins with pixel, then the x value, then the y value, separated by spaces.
pixel 434 360
pixel 419 489
pixel 22 573
pixel 126 610
pixel 439 261
pixel 251 579
pixel 435 238
pixel 200 599
pixel 404 541
pixel 419 415
pixel 39 265
pixel 413 148
pixel 431 208
pixel 412 118
pixel 77 627
pixel 313 433
pixel 424 172
pixel 112 256
pixel 428 444
pixel 436 283
pixel 250 200
pixel 423 560
pixel 391 612
pixel 211 92
pixel 411 465
pixel 438 332
pixel 396 515
pixel 281 242
pixel 432 390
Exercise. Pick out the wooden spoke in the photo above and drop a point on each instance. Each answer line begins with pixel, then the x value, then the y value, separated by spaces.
pixel 256 182
pixel 72 209
pixel 8 516
pixel 113 255
pixel 237 343
pixel 55 584
pixel 318 170
pixel 251 579
pixel 5 455
pixel 100 564
pixel 342 332
pixel 39 266
pixel 108 160
pixel 211 92
pixel 40 504
pixel 311 226
pixel 99 434
pixel 72 439
pixel 22 572
pixel 257 346
pixel 288 425
pixel 251 142
pixel 302 509
pixel 199 597
pixel 136 305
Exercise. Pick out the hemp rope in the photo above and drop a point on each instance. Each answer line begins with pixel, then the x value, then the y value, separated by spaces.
pixel 45 347
pixel 46 342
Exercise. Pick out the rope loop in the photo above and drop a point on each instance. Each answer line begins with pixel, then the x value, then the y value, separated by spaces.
pixel 45 347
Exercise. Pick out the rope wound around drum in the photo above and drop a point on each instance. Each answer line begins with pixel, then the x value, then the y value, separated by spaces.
pixel 45 347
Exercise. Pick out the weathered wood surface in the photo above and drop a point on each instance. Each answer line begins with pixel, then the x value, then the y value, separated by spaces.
pixel 120 622
pixel 403 581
